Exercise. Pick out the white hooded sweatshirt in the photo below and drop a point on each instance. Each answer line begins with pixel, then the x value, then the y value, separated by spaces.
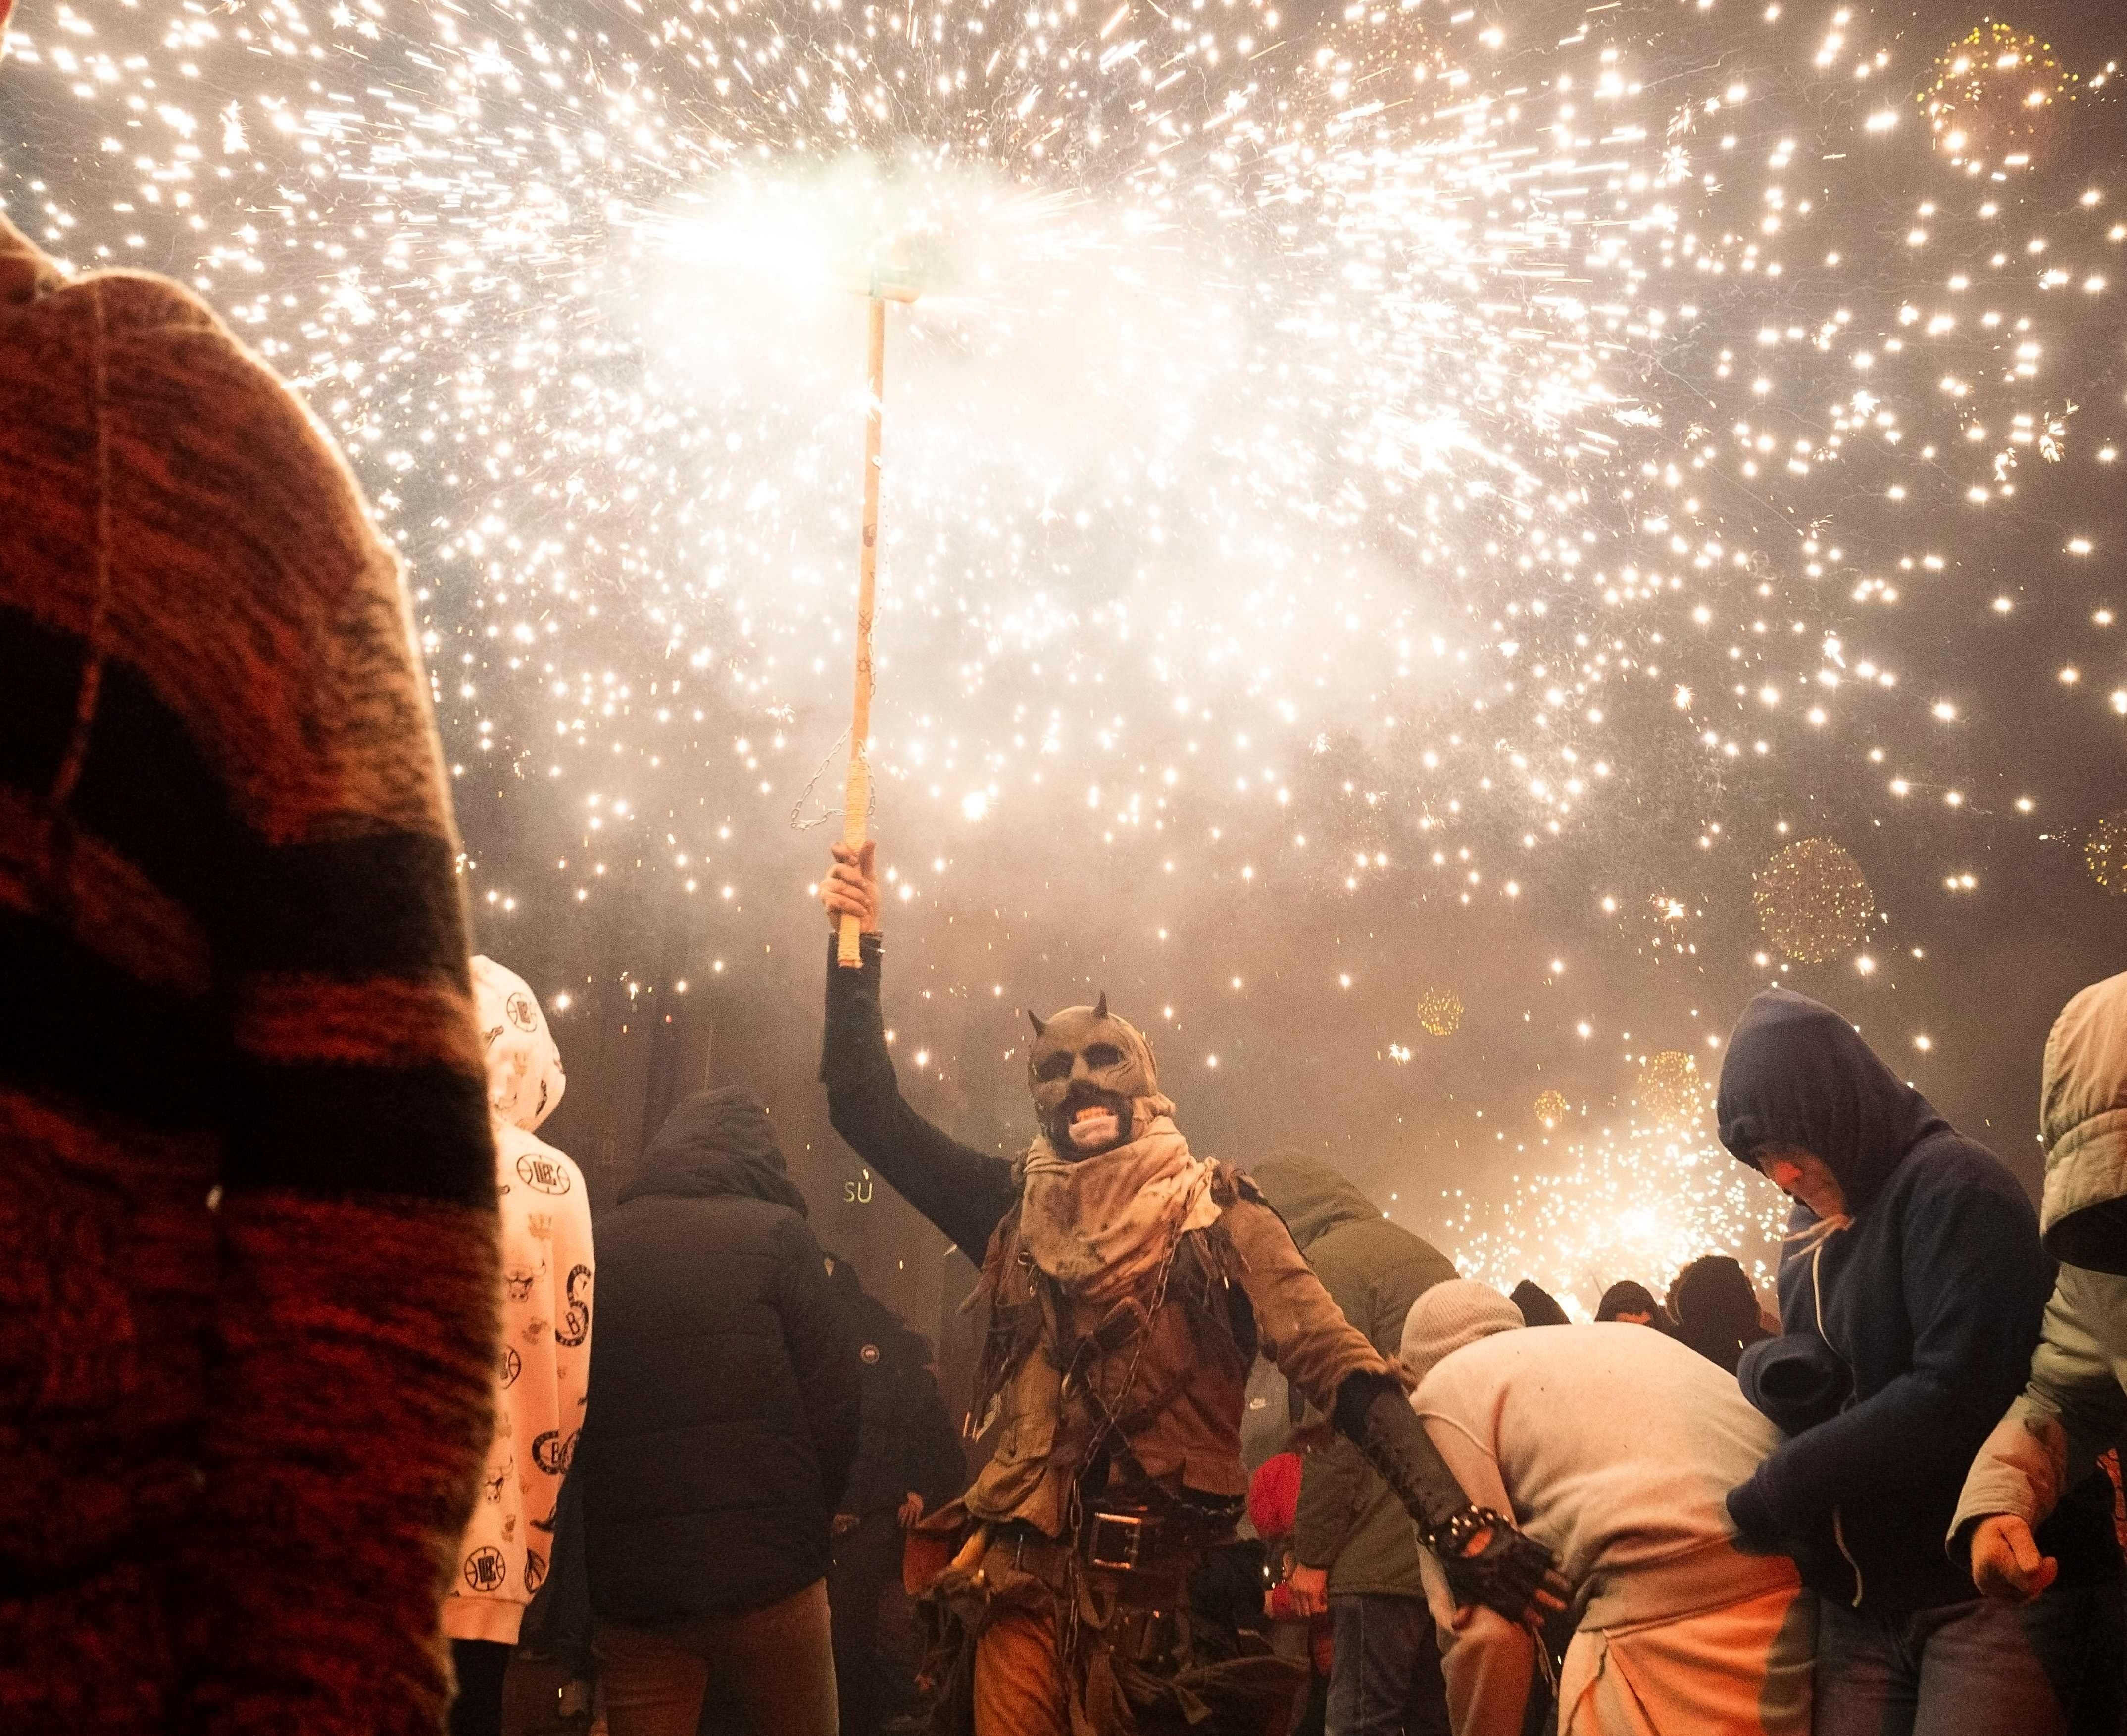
pixel 545 1361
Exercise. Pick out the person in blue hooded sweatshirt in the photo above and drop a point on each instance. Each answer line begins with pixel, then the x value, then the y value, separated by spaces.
pixel 1911 1295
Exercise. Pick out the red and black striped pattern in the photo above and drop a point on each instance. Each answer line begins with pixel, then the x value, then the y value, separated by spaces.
pixel 241 1435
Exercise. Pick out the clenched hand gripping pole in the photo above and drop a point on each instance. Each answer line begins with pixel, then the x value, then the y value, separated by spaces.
pixel 856 797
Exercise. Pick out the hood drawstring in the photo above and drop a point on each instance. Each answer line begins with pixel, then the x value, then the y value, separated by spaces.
pixel 1814 1238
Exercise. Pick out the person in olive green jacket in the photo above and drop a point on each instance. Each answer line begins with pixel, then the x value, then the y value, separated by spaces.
pixel 2076 1404
pixel 1358 1553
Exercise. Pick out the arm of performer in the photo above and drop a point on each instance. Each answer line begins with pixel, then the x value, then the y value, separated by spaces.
pixel 960 1189
pixel 1486 1560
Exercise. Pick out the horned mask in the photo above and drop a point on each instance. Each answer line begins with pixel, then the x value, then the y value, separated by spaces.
pixel 1086 1064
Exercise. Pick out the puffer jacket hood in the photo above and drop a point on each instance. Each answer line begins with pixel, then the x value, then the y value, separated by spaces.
pixel 1311 1198
pixel 524 1077
pixel 1797 1073
pixel 2082 1117
pixel 716 1142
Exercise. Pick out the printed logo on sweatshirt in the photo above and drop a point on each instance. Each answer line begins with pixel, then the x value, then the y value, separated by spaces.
pixel 518 1284
pixel 552 1454
pixel 513 1365
pixel 485 1571
pixel 543 1173
pixel 490 1488
pixel 577 1321
pixel 535 1571
pixel 522 1013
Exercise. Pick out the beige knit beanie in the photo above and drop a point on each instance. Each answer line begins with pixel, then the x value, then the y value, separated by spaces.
pixel 1451 1315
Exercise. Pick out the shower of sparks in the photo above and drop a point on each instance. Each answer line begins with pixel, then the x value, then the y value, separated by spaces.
pixel 1639 1204
pixel 1324 458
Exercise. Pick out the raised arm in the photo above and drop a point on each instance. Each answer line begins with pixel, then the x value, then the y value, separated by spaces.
pixel 965 1192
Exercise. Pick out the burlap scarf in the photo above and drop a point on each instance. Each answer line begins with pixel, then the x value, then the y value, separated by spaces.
pixel 1100 1226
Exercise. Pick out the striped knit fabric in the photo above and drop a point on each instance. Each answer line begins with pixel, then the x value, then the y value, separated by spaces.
pixel 248 1282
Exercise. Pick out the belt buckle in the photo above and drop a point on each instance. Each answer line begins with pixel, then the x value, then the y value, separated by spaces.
pixel 1117 1538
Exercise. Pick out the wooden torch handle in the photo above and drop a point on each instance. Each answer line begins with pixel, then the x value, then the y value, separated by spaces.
pixel 856 796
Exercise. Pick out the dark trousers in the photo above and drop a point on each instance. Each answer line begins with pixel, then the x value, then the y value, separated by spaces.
pixel 1978 1668
pixel 870 1687
pixel 767 1672
pixel 1385 1679
pixel 480 1665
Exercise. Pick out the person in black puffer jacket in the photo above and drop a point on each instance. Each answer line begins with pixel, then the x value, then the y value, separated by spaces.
pixel 722 1421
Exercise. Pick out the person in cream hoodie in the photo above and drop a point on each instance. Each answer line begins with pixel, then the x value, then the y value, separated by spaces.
pixel 544 1364
pixel 1614 1447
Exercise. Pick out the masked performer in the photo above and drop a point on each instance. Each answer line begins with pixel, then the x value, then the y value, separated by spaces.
pixel 1129 1285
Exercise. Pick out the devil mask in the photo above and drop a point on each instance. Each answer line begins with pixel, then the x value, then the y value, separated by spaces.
pixel 1095 1084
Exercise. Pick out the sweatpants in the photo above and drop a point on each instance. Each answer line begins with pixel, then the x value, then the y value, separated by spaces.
pixel 1743 1669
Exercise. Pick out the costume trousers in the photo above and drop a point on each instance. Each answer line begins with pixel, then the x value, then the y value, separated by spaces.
pixel 1740 1670
pixel 767 1672
pixel 1976 1668
pixel 1384 1676
pixel 1019 1684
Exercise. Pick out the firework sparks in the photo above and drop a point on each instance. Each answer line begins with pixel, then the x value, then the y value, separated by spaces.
pixel 1376 463
pixel 1641 1203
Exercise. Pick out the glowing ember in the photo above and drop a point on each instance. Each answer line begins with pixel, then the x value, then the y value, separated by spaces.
pixel 1813 900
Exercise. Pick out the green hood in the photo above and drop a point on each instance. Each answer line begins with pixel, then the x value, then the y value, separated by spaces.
pixel 1311 1198
pixel 2082 1117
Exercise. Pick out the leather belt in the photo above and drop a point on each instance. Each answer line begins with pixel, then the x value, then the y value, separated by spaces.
pixel 1132 1544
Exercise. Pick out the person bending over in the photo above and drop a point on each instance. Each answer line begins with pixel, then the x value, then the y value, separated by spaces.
pixel 1616 1447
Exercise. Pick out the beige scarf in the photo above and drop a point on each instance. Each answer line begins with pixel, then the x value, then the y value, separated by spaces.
pixel 1102 1225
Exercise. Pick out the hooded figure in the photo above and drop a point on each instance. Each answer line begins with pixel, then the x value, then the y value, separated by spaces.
pixel 1716 1310
pixel 1129 1284
pixel 2075 1404
pixel 1616 1446
pixel 543 1367
pixel 1349 1525
pixel 1923 1281
pixel 724 1418
pixel 1631 1302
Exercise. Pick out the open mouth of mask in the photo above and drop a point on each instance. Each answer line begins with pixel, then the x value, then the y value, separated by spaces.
pixel 1088 1071
pixel 1094 1126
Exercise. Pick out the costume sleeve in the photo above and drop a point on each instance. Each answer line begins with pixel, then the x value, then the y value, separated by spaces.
pixel 1331 1480
pixel 959 1188
pixel 1489 1662
pixel 1334 1366
pixel 2071 1410
pixel 1334 1479
pixel 1303 1330
pixel 262 733
pixel 1971 1349
pixel 823 1354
